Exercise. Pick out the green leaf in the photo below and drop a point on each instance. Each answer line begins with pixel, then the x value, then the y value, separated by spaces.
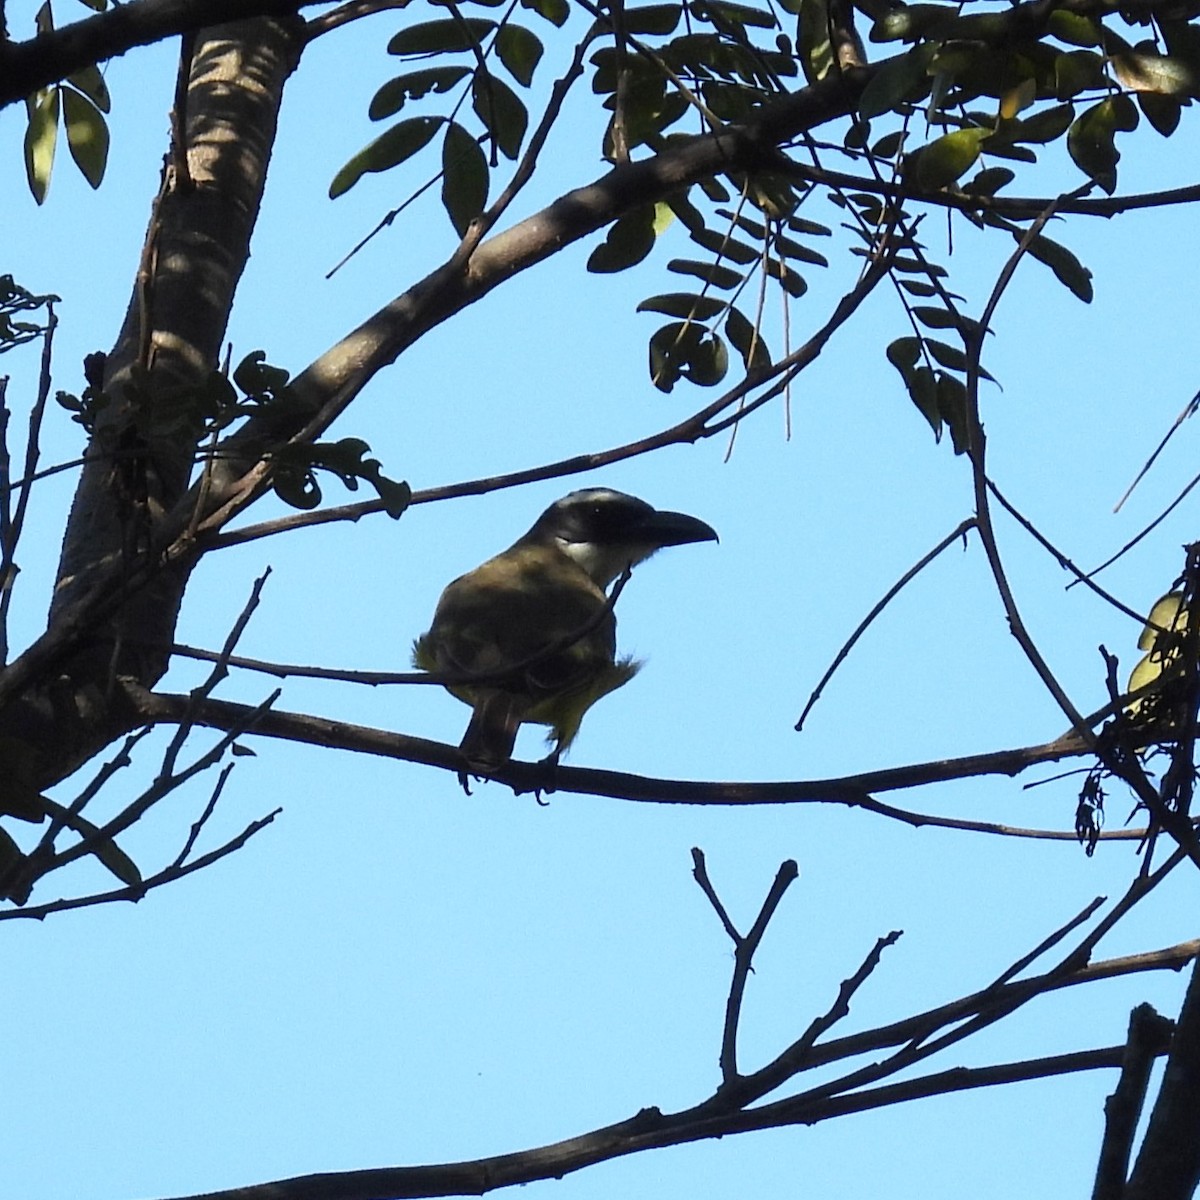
pixel 1163 112
pixel 554 11
pixel 815 48
pixel 952 407
pixel 910 22
pixel 519 51
pixel 897 80
pixel 686 351
pixel 889 145
pixel 1072 28
pixel 391 148
pixel 1068 270
pixel 713 274
pixel 256 377
pixel 904 353
pixel 799 224
pixel 738 14
pixel 946 158
pixel 653 19
pixel 950 357
pixel 441 37
pixel 628 240
pixel 1091 140
pixel 989 181
pixel 917 266
pixel 683 305
pixel 464 177
pixel 747 340
pixel 1077 71
pixel 792 283
pixel 798 252
pixel 87 135
pixel 1167 614
pixel 1146 672
pixel 727 247
pixel 922 391
pixel 91 83
pixel 295 478
pixel 40 137
pixel 935 317
pixel 501 111
pixel 297 487
pixel 118 862
pixel 390 98
pixel 1045 126
pixel 1158 73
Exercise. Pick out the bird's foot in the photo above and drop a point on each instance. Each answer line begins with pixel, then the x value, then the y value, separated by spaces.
pixel 547 769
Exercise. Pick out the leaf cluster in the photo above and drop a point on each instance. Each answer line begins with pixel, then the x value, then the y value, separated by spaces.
pixel 15 299
pixel 79 103
pixel 465 51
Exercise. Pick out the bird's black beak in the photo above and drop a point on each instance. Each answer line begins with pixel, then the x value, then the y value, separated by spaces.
pixel 673 529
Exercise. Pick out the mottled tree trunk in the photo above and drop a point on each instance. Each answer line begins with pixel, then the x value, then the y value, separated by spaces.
pixel 141 459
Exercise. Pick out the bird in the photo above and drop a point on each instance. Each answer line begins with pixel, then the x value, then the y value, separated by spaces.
pixel 535 624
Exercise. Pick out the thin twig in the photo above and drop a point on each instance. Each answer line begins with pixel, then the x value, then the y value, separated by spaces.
pixel 694 428
pixel 1144 533
pixel 744 949
pixel 219 672
pixel 1189 410
pixel 162 786
pixel 32 454
pixel 6 580
pixel 169 874
pixel 960 532
pixel 1085 914
pixel 123 758
pixel 355 10
pixel 198 825
pixel 1062 560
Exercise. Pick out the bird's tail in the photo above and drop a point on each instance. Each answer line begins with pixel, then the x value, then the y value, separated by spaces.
pixel 492 732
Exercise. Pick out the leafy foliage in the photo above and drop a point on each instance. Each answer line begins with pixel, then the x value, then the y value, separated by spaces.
pixel 80 103
pixel 14 299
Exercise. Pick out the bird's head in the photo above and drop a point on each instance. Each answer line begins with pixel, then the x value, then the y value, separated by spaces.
pixel 606 531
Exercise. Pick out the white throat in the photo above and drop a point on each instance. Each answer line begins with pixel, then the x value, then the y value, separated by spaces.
pixel 604 563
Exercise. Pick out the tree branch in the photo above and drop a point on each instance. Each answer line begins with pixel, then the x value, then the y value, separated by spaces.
pixel 851 790
pixel 50 57
pixel 1168 1164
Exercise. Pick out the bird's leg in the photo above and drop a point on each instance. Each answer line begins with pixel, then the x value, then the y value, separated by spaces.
pixel 464 781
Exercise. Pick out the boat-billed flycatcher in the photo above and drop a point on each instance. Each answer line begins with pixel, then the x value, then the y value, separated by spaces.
pixel 535 623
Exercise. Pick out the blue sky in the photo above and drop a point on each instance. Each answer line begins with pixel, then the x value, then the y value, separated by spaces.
pixel 396 973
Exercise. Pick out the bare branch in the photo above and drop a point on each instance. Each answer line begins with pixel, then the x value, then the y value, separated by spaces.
pixel 744 949
pixel 1016 208
pixel 24 486
pixel 647 1130
pixel 960 532
pixel 353 10
pixel 1149 1036
pixel 177 870
pixel 1168 1164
